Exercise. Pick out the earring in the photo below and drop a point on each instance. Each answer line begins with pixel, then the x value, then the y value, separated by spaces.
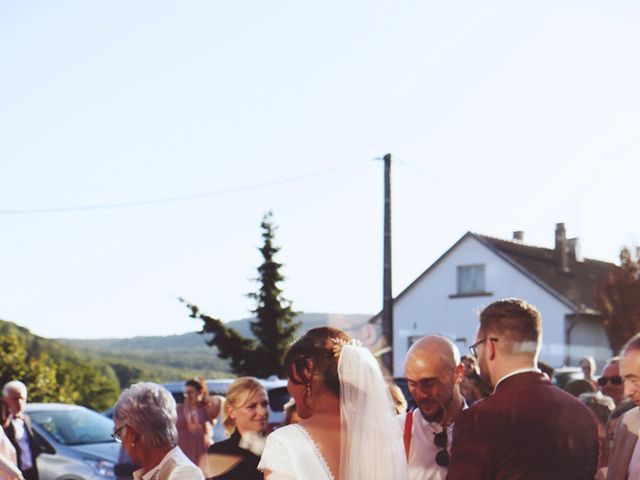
pixel 306 396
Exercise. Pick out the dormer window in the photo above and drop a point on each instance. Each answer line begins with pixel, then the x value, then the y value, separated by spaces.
pixel 471 279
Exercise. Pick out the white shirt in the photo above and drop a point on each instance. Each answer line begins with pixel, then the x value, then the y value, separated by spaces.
pixel 423 451
pixel 634 462
pixel 175 465
pixel 22 438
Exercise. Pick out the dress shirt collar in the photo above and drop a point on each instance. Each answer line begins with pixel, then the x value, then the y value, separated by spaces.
pixel 153 473
pixel 516 372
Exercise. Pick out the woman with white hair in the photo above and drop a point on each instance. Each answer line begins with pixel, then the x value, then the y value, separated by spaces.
pixel 145 423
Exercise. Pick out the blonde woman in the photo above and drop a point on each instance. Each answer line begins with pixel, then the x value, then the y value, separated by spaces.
pixel 246 410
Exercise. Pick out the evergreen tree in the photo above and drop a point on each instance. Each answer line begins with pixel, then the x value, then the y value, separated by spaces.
pixel 618 299
pixel 274 326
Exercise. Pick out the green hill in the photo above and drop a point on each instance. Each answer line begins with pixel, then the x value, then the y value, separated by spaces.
pixel 175 357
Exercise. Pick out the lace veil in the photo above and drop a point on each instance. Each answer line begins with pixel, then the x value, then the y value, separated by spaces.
pixel 371 435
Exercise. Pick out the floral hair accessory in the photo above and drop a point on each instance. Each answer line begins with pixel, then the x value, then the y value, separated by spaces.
pixel 338 343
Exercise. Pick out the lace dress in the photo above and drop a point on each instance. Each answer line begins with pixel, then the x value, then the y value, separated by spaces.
pixel 291 454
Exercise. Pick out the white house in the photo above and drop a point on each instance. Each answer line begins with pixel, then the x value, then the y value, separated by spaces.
pixel 478 269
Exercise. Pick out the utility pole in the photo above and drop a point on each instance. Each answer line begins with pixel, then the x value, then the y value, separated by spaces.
pixel 387 298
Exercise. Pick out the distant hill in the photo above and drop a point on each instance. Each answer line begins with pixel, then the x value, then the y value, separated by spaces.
pixel 172 357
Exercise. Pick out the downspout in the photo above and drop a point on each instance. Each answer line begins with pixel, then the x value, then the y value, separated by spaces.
pixel 570 327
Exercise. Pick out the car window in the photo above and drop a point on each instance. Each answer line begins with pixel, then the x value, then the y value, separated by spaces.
pixel 78 426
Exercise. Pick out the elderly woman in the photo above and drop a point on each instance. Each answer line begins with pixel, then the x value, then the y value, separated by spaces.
pixel 145 424
pixel 246 412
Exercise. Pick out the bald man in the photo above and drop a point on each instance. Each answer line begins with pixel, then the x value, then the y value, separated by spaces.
pixel 433 372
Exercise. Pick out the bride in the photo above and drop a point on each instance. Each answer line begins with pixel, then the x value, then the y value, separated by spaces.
pixel 349 430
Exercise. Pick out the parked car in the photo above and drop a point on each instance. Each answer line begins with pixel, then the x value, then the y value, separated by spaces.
pixel 76 442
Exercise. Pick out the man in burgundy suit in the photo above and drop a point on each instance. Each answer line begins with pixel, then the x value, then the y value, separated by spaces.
pixel 528 429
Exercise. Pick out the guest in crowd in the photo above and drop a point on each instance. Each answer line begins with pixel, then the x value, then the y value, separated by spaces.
pixel 624 460
pixel 349 429
pixel 578 386
pixel 470 364
pixel 18 429
pixel 588 366
pixel 528 429
pixel 433 371
pixel 8 460
pixel 472 388
pixel 145 423
pixel 290 412
pixel 196 419
pixel 246 411
pixel 610 382
pixel 601 406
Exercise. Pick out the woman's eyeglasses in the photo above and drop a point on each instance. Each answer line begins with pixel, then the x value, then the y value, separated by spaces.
pixel 615 380
pixel 440 440
pixel 116 434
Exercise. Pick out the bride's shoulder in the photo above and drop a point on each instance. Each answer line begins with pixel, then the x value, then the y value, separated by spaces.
pixel 287 432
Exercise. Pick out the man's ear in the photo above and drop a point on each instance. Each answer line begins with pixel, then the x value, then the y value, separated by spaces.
pixel 491 350
pixel 458 374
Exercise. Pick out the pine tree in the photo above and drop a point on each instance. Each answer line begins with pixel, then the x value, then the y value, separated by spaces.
pixel 274 326
pixel 618 299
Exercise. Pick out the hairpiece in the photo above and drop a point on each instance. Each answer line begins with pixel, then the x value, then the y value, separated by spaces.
pixel 338 343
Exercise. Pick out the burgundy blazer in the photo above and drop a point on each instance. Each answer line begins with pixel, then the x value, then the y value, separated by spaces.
pixel 528 429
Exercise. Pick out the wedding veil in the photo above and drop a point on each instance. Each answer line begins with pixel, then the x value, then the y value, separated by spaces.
pixel 371 435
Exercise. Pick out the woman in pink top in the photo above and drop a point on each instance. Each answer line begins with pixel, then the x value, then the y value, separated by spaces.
pixel 196 418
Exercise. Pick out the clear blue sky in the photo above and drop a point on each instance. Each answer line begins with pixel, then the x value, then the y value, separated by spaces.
pixel 500 116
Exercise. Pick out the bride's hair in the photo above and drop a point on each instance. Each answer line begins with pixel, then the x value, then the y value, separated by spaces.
pixel 315 346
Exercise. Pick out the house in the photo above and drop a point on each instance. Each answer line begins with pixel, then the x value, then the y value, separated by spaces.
pixel 479 269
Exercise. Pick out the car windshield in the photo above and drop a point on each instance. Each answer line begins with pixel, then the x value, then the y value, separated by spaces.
pixel 78 426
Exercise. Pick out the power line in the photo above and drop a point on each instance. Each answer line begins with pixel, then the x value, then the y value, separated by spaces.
pixel 179 198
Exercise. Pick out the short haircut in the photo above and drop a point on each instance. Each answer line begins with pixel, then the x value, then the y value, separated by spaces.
pixel 632 344
pixel 150 410
pixel 515 321
pixel 15 385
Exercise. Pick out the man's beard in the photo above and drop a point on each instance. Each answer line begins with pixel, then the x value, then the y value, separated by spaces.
pixel 437 417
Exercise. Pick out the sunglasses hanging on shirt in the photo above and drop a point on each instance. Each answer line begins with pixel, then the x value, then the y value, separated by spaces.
pixel 440 440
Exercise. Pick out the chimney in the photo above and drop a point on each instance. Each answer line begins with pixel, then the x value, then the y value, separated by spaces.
pixel 518 236
pixel 561 247
pixel 573 249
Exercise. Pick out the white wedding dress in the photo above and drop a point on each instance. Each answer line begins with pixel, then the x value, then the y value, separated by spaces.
pixel 291 454
pixel 370 435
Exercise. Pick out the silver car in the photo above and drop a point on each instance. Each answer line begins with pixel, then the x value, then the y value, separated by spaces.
pixel 76 442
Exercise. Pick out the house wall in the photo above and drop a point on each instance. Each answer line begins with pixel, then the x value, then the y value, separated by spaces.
pixel 588 338
pixel 428 309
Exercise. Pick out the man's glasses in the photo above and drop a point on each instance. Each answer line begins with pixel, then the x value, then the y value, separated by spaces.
pixel 473 348
pixel 615 380
pixel 116 434
pixel 441 439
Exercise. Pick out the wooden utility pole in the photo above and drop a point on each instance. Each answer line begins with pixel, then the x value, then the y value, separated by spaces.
pixel 387 298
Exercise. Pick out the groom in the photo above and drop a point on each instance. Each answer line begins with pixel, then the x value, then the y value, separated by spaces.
pixel 433 372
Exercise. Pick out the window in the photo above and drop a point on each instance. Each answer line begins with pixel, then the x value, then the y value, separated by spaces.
pixel 470 279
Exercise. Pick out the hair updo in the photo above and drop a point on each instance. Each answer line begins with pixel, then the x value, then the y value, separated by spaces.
pixel 316 346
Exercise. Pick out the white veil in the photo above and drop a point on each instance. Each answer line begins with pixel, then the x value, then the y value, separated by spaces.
pixel 371 435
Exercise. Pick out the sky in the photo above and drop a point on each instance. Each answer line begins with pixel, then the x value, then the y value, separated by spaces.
pixel 142 142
